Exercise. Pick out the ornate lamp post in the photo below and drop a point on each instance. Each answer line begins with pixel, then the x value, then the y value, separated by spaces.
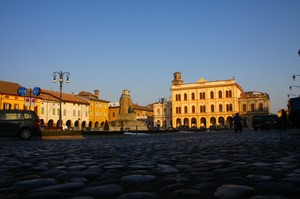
pixel 294 86
pixel 61 81
pixel 294 76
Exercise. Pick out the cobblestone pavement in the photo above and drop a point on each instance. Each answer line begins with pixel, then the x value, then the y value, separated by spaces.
pixel 255 165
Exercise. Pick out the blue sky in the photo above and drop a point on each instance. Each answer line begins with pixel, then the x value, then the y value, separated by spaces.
pixel 113 45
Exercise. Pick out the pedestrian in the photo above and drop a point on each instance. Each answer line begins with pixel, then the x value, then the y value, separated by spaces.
pixel 237 122
pixel 283 119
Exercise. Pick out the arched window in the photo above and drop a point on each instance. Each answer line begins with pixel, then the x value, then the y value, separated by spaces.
pixel 252 107
pixel 228 94
pixel 244 107
pixel 185 96
pixel 261 107
pixel 202 95
pixel 202 109
pixel 158 111
pixel 220 107
pixel 178 110
pixel 193 109
pixel 228 107
pixel 220 94
pixel 212 95
pixel 185 109
pixel 193 96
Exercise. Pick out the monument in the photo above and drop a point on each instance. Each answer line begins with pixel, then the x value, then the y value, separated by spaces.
pixel 127 117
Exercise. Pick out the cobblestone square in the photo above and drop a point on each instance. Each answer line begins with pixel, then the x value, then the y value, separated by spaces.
pixel 252 164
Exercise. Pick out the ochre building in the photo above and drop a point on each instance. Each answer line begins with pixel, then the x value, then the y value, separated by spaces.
pixel 98 109
pixel 213 103
pixel 11 100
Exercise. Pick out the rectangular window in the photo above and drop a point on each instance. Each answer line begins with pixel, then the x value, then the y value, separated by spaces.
pixel 53 111
pixel 16 106
pixel 65 112
pixel 42 110
pixel 78 113
pixel 74 113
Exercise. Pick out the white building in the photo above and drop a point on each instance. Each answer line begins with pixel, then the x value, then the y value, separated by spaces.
pixel 163 113
pixel 74 110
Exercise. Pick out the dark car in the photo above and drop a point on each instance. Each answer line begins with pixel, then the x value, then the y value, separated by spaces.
pixel 21 123
pixel 269 122
pixel 256 122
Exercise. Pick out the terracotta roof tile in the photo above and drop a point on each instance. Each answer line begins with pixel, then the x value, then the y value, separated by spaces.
pixel 91 96
pixel 54 95
pixel 138 107
pixel 10 88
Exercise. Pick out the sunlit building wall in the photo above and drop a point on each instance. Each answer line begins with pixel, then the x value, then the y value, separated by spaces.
pixel 10 100
pixel 74 110
pixel 98 109
pixel 204 103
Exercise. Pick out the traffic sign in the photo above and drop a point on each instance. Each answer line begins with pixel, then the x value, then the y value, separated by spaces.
pixel 22 91
pixel 36 91
pixel 27 101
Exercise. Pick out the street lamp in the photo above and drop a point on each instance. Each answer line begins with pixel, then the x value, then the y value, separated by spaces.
pixel 294 86
pixel 293 95
pixel 294 77
pixel 61 81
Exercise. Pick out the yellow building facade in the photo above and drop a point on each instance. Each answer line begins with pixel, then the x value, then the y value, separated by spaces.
pixel 11 100
pixel 209 103
pixel 98 109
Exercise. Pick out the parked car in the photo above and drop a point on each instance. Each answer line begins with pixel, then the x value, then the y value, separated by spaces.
pixel 269 122
pixel 20 123
pixel 256 122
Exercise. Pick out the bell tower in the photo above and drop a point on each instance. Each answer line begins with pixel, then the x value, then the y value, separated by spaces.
pixel 177 79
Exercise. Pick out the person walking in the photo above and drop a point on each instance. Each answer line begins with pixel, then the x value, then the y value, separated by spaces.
pixel 283 119
pixel 237 123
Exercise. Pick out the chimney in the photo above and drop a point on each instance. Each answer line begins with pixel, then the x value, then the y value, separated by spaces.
pixel 97 93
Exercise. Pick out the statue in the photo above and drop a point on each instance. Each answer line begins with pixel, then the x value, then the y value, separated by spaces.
pixel 127 116
pixel 125 102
